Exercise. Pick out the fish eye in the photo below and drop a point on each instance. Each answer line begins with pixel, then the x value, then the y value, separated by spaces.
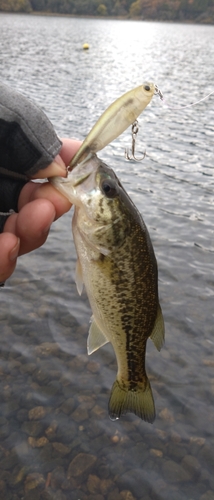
pixel 147 87
pixel 109 188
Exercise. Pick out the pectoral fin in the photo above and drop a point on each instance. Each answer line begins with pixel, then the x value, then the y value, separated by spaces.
pixel 158 332
pixel 96 338
pixel 79 277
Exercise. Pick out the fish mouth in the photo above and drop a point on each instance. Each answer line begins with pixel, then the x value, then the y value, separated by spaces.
pixel 81 179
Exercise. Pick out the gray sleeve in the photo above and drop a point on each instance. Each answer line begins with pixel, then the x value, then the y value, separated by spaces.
pixel 28 141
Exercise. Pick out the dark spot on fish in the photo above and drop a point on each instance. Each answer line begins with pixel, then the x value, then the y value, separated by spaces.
pixel 102 257
pixel 147 87
pixel 101 205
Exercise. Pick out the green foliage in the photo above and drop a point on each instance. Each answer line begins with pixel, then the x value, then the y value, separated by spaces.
pixel 193 9
pixel 146 9
pixel 120 8
pixel 38 5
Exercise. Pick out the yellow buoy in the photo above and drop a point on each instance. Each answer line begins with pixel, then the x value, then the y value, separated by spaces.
pixel 85 46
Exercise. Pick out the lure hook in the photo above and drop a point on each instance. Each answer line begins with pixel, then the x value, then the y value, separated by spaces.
pixel 158 92
pixel 134 134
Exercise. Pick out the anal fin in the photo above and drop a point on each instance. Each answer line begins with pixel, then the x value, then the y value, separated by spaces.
pixel 158 333
pixel 96 338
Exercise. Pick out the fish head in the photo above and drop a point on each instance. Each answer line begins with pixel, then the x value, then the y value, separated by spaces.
pixel 100 200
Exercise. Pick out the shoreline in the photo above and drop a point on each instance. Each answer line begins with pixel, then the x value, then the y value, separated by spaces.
pixel 205 22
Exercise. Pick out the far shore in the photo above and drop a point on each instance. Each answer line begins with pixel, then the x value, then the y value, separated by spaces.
pixel 206 21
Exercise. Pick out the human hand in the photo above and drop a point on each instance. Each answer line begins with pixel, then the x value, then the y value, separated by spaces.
pixel 38 206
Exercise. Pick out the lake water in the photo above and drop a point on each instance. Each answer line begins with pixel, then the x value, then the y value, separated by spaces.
pixel 68 449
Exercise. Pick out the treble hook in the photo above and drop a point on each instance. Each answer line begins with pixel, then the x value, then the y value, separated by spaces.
pixel 158 92
pixel 134 134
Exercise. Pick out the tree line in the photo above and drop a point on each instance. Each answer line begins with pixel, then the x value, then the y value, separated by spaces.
pixel 175 10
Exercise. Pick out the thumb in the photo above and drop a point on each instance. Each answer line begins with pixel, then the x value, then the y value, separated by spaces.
pixel 9 248
pixel 57 167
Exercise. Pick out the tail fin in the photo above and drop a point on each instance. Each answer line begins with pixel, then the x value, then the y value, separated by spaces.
pixel 139 401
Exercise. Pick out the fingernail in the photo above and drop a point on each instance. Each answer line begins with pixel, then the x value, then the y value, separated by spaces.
pixel 59 161
pixel 14 252
pixel 58 168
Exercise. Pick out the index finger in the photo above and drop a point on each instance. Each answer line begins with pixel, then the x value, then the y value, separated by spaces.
pixel 69 149
pixel 58 166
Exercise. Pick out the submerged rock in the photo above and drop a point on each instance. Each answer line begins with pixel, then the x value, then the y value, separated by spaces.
pixel 37 413
pixel 191 465
pixel 126 495
pixel 33 428
pixel 174 473
pixel 80 465
pixel 61 448
pixel 80 414
pixel 34 480
pixel 47 349
pixel 209 495
pixel 57 477
pixel 37 443
pixel 93 484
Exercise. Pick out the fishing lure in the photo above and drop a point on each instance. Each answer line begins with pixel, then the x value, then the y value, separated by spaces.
pixel 116 118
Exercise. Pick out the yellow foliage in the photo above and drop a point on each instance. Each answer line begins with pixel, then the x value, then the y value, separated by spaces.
pixel 135 9
pixel 15 6
pixel 102 10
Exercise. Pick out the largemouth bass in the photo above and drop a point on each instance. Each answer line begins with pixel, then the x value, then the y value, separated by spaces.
pixel 117 265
